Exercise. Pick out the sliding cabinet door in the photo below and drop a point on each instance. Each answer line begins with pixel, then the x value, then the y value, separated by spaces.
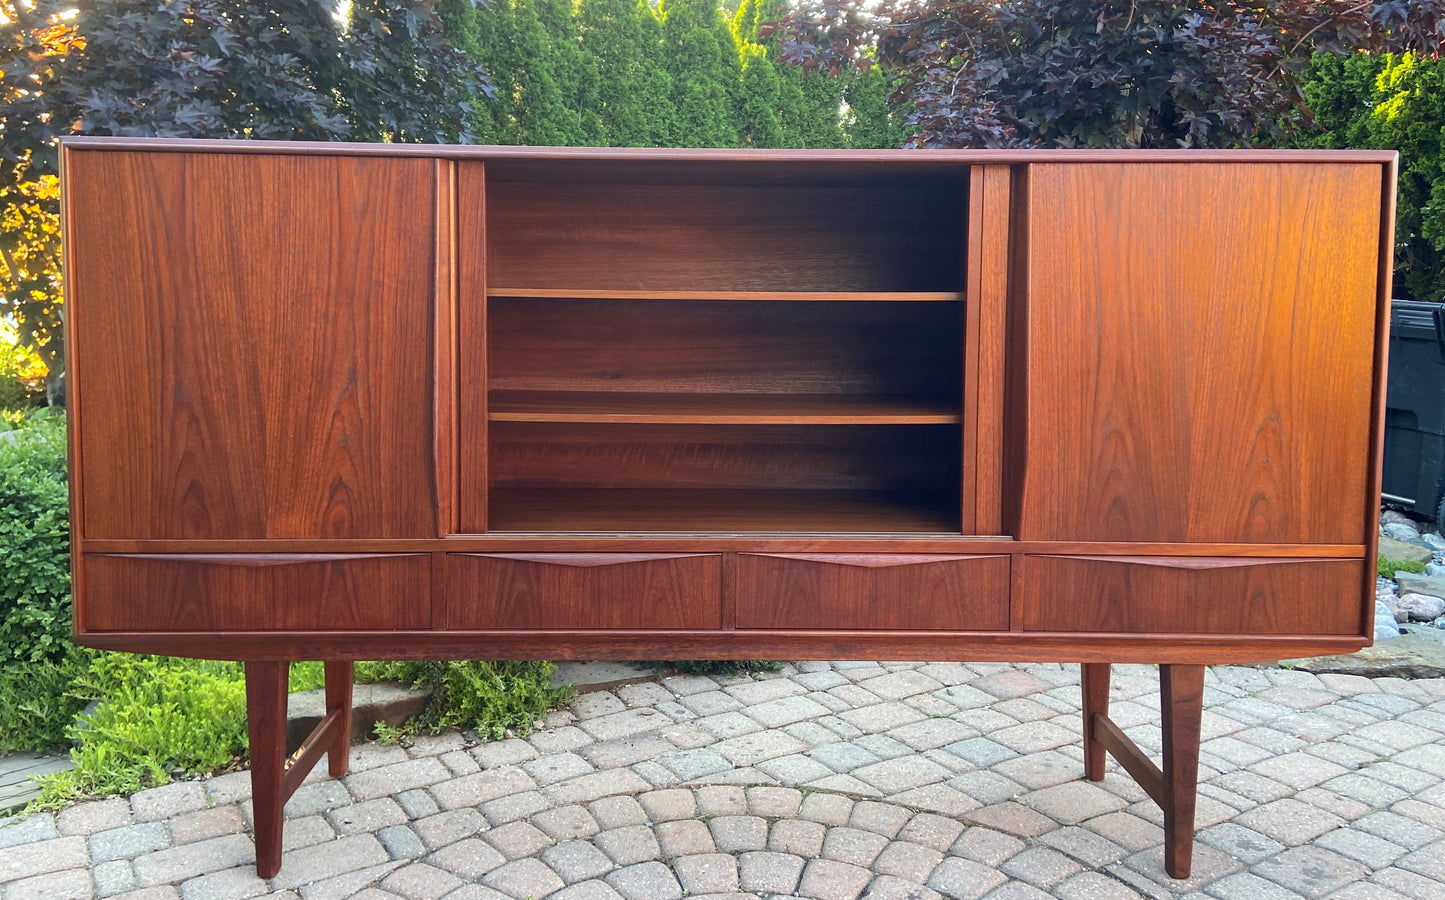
pixel 252 344
pixel 1200 351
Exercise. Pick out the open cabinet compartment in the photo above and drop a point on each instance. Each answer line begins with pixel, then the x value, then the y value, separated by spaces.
pixel 711 352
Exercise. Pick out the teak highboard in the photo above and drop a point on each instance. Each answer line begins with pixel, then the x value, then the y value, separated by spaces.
pixel 379 401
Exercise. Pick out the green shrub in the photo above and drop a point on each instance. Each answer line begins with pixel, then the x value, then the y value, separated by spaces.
pixel 159 717
pixel 34 544
pixel 1387 567
pixel 491 698
pixel 37 704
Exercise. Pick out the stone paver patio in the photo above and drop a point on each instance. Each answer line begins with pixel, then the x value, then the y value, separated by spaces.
pixel 827 780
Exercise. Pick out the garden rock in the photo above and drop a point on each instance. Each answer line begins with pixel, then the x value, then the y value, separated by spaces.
pixel 1418 654
pixel 1420 584
pixel 1420 607
pixel 1395 517
pixel 1393 549
pixel 1385 625
pixel 1401 532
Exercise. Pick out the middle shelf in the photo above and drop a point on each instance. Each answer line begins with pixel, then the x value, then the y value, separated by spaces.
pixel 707 409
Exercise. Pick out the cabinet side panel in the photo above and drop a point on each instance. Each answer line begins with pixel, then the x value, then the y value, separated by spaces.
pixel 254 356
pixel 1200 344
pixel 1198 595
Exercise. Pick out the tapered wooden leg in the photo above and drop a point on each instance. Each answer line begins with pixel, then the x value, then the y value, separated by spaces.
pixel 338 701
pixel 1181 698
pixel 266 722
pixel 1096 700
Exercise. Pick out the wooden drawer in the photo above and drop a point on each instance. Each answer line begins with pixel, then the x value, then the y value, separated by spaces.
pixel 271 592
pixel 914 592
pixel 584 590
pixel 1191 595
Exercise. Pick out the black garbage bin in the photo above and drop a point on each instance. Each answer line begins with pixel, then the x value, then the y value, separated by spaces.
pixel 1415 408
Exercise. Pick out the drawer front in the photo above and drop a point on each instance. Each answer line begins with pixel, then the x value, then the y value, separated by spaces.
pixel 1199 595
pixel 584 590
pixel 871 591
pixel 271 592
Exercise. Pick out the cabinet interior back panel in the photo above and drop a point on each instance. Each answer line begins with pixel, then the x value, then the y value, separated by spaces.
pixel 253 337
pixel 1200 352
pixel 879 235
pixel 720 346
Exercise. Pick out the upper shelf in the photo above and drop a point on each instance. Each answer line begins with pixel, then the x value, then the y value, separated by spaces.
pixel 716 409
pixel 834 296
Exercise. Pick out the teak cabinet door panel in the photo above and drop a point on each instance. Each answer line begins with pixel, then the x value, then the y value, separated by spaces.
pixel 273 592
pixel 584 590
pixel 919 592
pixel 252 337
pixel 1191 595
pixel 1200 345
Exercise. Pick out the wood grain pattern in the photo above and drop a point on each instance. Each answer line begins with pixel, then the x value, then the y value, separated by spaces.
pixel 574 590
pixel 1094 685
pixel 744 543
pixel 1383 295
pixel 473 331
pixel 747 296
pixel 902 235
pixel 574 643
pixel 254 350
pixel 972 264
pixel 993 287
pixel 446 440
pixel 1200 341
pixel 1198 595
pixel 266 727
pixel 716 409
pixel 908 458
pixel 645 511
pixel 759 162
pixel 713 346
pixel 299 592
pixel 1181 701
pixel 952 593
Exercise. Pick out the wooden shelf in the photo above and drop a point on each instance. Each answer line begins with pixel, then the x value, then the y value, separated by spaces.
pixel 716 409
pixel 845 296
pixel 573 510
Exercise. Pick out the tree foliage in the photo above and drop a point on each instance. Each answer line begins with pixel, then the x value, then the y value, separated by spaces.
pixel 203 68
pixel 1391 101
pixel 683 73
pixel 1101 73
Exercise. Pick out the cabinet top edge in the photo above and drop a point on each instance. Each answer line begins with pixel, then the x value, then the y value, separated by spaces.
pixel 635 154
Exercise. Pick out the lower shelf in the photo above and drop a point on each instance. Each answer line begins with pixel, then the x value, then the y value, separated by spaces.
pixel 573 510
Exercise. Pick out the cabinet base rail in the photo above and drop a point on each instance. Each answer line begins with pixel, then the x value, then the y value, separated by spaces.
pixel 275 776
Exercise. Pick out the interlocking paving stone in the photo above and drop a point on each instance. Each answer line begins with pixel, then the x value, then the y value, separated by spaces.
pixel 917 781
pixel 707 873
pixel 469 858
pixel 797 836
pixel 766 871
pixel 632 844
pixel 829 879
pixel 129 841
pixel 576 861
pixel 646 881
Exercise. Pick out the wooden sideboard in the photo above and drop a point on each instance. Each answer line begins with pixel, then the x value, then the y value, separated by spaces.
pixel 379 401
